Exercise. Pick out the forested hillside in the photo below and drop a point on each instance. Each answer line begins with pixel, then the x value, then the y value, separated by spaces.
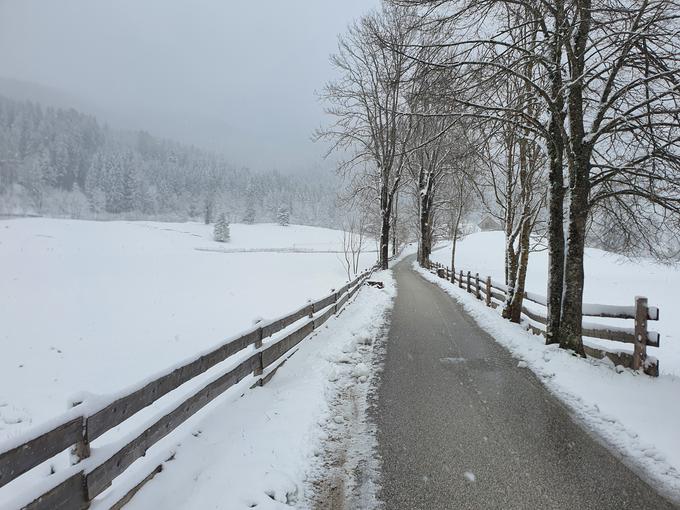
pixel 64 163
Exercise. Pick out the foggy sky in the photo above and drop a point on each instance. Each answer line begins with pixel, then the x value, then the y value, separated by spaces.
pixel 238 77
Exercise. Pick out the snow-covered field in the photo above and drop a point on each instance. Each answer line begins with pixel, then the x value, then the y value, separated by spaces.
pixel 265 449
pixel 94 306
pixel 610 279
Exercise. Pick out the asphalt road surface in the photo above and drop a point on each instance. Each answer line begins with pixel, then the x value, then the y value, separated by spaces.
pixel 460 426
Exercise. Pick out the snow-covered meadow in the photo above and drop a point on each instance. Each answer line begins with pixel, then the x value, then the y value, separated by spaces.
pixel 97 306
pixel 610 279
pixel 269 449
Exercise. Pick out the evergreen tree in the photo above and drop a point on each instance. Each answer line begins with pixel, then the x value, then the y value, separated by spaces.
pixel 208 210
pixel 283 216
pixel 221 232
pixel 249 216
pixel 50 158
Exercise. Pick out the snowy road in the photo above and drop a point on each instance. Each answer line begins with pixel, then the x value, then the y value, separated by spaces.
pixel 461 426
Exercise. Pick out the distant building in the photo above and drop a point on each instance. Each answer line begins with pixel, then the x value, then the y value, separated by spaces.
pixel 489 223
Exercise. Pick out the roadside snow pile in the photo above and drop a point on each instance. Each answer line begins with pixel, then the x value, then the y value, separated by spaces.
pixel 98 306
pixel 637 415
pixel 345 475
pixel 265 448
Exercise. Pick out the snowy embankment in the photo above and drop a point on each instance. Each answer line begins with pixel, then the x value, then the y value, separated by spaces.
pixel 98 306
pixel 636 415
pixel 261 448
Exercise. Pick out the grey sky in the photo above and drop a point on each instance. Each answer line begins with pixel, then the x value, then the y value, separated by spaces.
pixel 237 77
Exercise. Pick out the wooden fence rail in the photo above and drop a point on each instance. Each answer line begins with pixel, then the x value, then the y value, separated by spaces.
pixel 495 294
pixel 84 424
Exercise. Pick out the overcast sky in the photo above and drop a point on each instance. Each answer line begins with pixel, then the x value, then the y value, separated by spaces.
pixel 234 76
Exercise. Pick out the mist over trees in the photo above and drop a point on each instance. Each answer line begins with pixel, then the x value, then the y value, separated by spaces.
pixel 63 163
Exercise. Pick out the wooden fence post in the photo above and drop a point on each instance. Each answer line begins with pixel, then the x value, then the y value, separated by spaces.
pixel 259 369
pixel 640 345
pixel 488 291
pixel 460 279
pixel 447 272
pixel 477 293
pixel 81 450
pixel 468 280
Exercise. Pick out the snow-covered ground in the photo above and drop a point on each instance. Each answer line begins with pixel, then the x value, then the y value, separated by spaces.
pixel 97 306
pixel 638 416
pixel 610 279
pixel 262 448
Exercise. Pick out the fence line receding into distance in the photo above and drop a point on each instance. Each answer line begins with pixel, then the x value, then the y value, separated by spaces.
pixel 495 294
pixel 90 475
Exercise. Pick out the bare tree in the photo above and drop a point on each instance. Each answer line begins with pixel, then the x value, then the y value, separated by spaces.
pixel 353 238
pixel 365 103
pixel 603 80
pixel 459 203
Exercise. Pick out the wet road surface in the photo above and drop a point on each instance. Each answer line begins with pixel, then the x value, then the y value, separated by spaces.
pixel 460 426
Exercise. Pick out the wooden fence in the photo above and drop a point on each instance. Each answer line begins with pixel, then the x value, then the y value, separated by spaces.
pixel 495 294
pixel 90 476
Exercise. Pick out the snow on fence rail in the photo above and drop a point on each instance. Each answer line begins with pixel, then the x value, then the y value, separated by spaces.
pixel 495 294
pixel 90 475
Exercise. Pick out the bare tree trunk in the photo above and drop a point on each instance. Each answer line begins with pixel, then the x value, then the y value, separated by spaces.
pixel 425 231
pixel 579 185
pixel 556 190
pixel 509 219
pixel 456 226
pixel 514 312
pixel 425 207
pixel 572 306
pixel 395 218
pixel 555 244
pixel 385 214
pixel 510 258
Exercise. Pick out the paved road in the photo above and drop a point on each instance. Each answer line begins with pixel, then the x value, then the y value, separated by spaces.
pixel 460 426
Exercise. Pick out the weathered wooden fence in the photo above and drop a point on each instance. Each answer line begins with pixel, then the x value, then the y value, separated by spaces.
pixel 495 294
pixel 90 476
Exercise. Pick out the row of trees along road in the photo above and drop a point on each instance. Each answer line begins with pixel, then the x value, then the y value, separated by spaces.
pixel 559 117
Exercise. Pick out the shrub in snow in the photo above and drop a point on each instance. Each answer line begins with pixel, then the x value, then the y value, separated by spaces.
pixel 283 216
pixel 221 233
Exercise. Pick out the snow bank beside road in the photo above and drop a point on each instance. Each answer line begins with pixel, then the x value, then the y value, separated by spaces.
pixel 638 416
pixel 264 449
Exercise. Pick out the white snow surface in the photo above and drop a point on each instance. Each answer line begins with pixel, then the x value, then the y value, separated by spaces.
pixel 636 415
pixel 609 280
pixel 98 306
pixel 262 448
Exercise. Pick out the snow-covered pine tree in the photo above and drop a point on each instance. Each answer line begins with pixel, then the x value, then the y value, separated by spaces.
pixel 208 206
pixel 221 232
pixel 249 216
pixel 283 216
